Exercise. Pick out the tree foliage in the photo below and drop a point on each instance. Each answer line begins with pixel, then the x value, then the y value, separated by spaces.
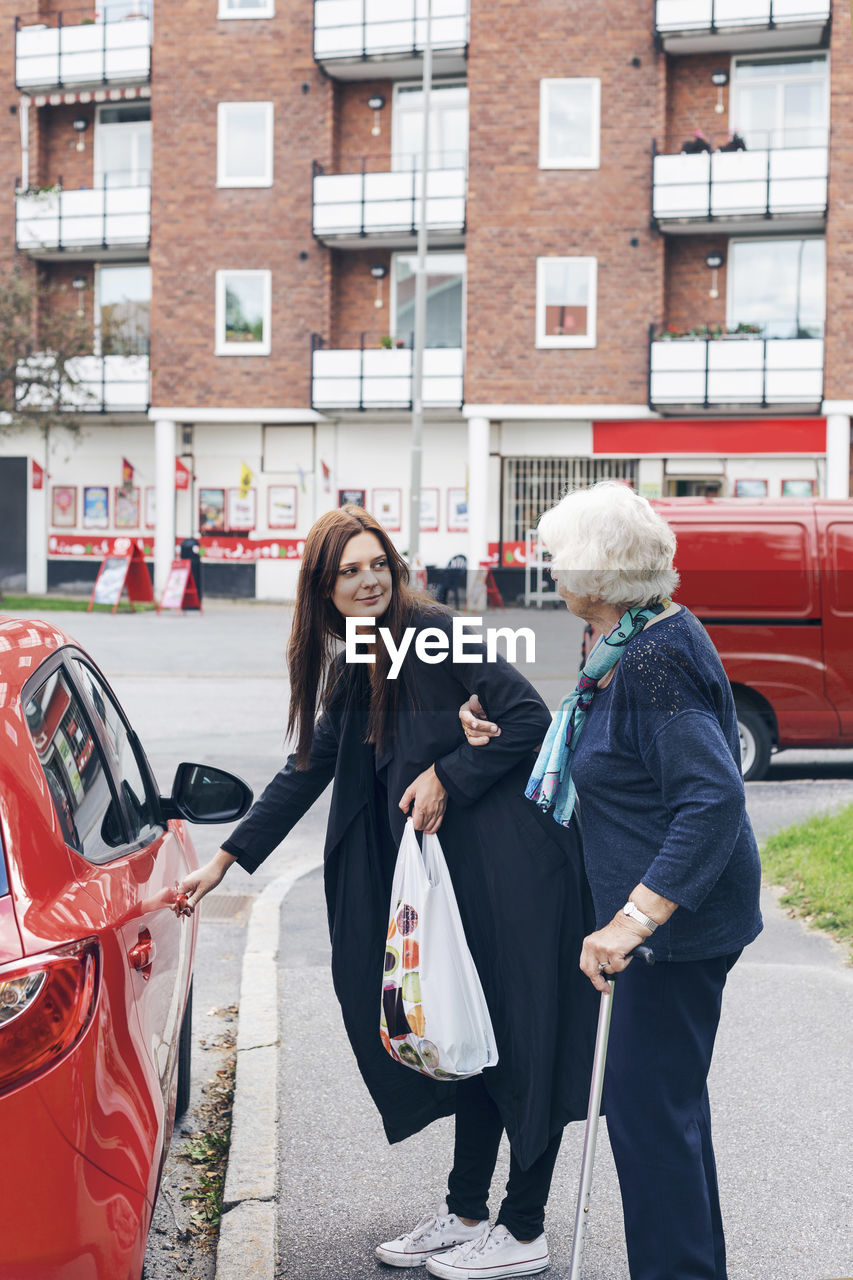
pixel 41 337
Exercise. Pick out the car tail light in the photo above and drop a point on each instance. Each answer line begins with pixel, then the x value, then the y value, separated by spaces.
pixel 46 1003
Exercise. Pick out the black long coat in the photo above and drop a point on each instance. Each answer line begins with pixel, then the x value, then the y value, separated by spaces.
pixel 517 874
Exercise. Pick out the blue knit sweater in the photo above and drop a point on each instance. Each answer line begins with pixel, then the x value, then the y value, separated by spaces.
pixel 657 768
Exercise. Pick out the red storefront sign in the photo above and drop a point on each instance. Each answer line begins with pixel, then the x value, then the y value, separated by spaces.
pixel 709 437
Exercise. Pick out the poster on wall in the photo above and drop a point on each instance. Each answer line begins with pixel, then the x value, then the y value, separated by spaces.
pixel 457 511
pixel 211 510
pixel 127 508
pixel 96 506
pixel 282 506
pixel 798 488
pixel 387 507
pixel 351 497
pixel 242 509
pixel 150 507
pixel 429 510
pixel 63 506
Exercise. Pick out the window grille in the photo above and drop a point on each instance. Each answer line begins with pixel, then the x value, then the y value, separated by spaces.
pixel 532 485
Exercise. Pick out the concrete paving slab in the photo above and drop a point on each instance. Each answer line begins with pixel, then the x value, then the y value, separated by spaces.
pixel 247 1243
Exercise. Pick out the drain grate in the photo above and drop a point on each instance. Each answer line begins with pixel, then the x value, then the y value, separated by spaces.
pixel 233 907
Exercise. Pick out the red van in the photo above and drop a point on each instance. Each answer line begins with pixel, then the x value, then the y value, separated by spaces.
pixel 773 583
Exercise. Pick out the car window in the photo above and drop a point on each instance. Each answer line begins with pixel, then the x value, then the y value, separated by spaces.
pixel 144 820
pixel 76 775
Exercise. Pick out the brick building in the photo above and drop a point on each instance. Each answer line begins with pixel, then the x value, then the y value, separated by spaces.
pixel 640 240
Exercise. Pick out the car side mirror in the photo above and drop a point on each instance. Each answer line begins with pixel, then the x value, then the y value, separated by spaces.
pixel 201 793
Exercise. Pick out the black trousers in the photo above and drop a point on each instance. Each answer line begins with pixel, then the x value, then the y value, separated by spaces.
pixel 658 1118
pixel 478 1134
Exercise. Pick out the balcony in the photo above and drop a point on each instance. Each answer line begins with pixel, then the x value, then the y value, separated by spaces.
pixel 703 26
pixel 81 47
pixel 102 384
pixel 93 222
pixel 369 375
pixel 745 189
pixel 352 36
pixel 384 208
pixel 735 372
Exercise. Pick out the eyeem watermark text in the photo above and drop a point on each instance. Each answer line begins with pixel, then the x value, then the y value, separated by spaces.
pixel 433 644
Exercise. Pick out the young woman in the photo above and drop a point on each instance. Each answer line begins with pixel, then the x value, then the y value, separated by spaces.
pixel 394 747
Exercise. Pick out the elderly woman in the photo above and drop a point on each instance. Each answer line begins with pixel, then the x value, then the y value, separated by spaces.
pixel 650 740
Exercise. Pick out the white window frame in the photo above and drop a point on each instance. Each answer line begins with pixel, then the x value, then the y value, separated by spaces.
pixel 589 339
pixel 730 275
pixel 263 9
pixel 547 161
pixel 222 178
pixel 398 96
pixel 223 348
pixel 460 255
pixel 782 55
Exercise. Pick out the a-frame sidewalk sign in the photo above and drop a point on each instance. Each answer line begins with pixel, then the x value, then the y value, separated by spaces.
pixel 119 573
pixel 180 591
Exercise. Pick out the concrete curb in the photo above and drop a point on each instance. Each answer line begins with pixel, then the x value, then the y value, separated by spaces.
pixel 247 1233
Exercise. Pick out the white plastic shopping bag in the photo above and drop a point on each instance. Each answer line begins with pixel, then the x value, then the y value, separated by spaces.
pixel 433 1016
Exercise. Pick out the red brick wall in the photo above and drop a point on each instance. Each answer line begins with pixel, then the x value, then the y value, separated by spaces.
pixel 688 281
pixel 691 100
pixel 353 139
pixel 58 157
pixel 197 229
pixel 10 139
pixel 354 292
pixel 839 230
pixel 518 212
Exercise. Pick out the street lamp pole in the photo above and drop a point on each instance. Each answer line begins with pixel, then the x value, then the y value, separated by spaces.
pixel 420 310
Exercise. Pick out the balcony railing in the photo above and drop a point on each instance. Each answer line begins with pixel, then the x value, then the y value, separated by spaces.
pixel 101 384
pixel 369 374
pixel 695 26
pixel 735 372
pixel 114 215
pixel 349 35
pixel 788 183
pixel 350 207
pixel 84 46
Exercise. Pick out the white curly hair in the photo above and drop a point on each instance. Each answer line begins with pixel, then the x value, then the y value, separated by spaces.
pixel 608 543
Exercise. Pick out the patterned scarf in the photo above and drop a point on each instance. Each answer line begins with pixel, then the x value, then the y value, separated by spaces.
pixel 551 781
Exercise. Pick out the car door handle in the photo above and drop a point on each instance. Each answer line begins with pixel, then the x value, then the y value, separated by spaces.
pixel 142 954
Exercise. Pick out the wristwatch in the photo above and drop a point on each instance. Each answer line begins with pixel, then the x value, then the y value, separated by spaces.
pixel 631 909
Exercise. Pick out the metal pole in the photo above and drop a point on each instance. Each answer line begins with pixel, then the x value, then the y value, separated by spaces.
pixel 420 311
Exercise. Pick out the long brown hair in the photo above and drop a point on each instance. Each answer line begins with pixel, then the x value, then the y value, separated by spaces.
pixel 317 624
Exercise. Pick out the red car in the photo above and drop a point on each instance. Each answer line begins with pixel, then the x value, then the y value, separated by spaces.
pixel 96 961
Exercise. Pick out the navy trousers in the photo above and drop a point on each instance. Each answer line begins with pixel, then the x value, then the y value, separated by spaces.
pixel 662 1034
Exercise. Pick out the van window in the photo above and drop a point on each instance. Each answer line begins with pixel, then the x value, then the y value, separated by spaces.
pixel 839 570
pixel 739 570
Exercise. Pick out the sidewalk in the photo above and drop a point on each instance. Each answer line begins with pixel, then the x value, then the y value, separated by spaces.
pixel 781 1100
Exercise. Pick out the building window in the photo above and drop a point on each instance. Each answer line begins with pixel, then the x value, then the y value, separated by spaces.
pixel 123 145
pixel 122 318
pixel 779 285
pixel 243 313
pixel 246 8
pixel 569 124
pixel 565 302
pixel 244 144
pixel 448 127
pixel 445 308
pixel 781 102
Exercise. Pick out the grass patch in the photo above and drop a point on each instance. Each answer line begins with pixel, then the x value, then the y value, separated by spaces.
pixel 62 604
pixel 814 864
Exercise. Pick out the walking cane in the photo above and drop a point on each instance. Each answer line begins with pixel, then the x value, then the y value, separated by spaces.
pixel 590 1136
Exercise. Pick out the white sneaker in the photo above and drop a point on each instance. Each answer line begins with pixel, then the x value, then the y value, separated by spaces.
pixel 435 1233
pixel 494 1253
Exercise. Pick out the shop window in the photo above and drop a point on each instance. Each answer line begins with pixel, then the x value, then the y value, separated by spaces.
pixel 243 307
pixel 244 144
pixel 569 124
pixel 565 302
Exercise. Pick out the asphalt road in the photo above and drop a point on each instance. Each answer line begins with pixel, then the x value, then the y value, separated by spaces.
pixel 213 688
